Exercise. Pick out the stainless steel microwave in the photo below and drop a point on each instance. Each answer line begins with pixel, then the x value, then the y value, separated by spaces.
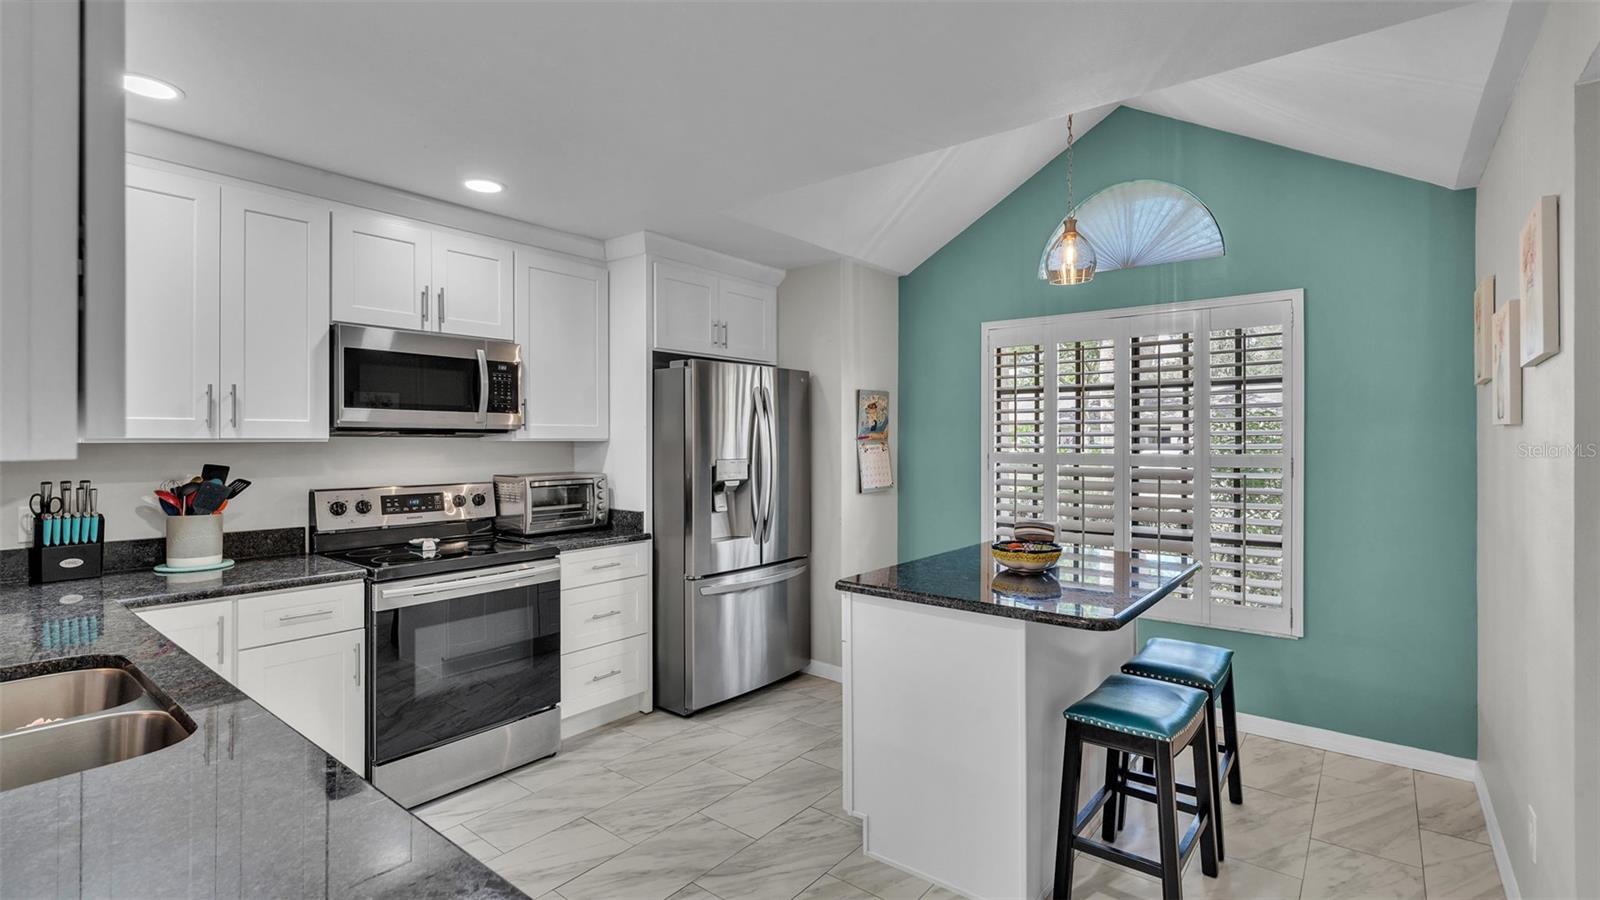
pixel 541 504
pixel 387 381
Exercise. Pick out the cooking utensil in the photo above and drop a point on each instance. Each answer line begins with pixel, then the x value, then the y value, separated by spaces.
pixel 213 472
pixel 45 502
pixel 170 504
pixel 207 497
pixel 185 494
pixel 94 515
pixel 237 487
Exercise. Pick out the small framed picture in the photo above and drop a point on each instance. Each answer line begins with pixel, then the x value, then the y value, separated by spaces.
pixel 1507 371
pixel 1540 270
pixel 1483 331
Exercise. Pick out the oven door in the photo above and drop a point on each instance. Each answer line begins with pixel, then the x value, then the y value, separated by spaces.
pixel 389 380
pixel 453 655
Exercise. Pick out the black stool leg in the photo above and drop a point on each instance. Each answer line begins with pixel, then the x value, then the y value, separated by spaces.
pixel 1204 751
pixel 1230 735
pixel 1110 815
pixel 1167 815
pixel 1207 750
pixel 1071 760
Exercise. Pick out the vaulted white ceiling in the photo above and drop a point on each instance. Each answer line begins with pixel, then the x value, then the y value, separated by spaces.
pixel 784 132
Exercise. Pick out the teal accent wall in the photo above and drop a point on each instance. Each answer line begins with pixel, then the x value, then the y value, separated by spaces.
pixel 1389 448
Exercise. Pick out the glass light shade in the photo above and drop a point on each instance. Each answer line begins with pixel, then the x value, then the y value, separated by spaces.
pixel 1069 258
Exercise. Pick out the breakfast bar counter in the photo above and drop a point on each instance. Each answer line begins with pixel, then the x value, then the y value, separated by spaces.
pixel 956 673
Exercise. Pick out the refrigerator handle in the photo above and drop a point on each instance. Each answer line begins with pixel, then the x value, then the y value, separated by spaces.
pixel 757 468
pixel 768 453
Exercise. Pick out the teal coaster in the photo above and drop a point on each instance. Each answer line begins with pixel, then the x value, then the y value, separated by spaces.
pixel 164 569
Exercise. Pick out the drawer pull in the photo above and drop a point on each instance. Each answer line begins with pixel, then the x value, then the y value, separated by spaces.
pixel 609 565
pixel 319 614
pixel 605 615
pixel 610 674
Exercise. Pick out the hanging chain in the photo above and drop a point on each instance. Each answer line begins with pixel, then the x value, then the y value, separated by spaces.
pixel 1069 164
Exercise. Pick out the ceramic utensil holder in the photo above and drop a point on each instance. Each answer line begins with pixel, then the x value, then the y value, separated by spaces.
pixel 194 541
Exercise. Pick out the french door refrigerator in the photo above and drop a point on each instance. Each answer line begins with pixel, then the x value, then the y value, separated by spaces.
pixel 732 528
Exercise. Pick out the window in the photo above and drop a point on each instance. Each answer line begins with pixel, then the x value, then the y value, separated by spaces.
pixel 1166 432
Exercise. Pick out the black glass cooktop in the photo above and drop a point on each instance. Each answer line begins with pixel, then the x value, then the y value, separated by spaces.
pixel 449 555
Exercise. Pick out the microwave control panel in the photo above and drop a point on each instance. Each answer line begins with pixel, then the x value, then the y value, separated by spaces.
pixel 503 388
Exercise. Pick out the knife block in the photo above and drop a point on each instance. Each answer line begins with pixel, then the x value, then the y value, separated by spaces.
pixel 65 562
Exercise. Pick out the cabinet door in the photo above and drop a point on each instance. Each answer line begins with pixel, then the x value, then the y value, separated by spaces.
pixel 562 315
pixel 685 309
pixel 315 685
pixel 749 313
pixel 381 268
pixel 172 305
pixel 472 285
pixel 203 630
pixel 274 316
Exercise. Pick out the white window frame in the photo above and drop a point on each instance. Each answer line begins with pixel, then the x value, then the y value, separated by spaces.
pixel 1115 323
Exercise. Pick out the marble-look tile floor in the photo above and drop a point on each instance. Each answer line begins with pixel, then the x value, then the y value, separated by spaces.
pixel 744 801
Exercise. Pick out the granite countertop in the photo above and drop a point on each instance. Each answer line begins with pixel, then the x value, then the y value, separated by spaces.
pixel 969 579
pixel 245 806
pixel 625 527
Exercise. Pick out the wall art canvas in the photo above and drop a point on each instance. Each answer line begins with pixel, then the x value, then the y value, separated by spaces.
pixel 874 471
pixel 1507 371
pixel 1482 331
pixel 1540 282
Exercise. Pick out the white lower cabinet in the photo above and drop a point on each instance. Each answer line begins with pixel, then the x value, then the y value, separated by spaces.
pixel 605 629
pixel 301 654
pixel 599 675
pixel 315 685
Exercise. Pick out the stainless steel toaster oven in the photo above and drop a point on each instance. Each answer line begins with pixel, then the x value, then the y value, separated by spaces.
pixel 542 504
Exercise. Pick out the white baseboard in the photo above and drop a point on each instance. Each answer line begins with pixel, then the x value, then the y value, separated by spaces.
pixel 1497 840
pixel 1366 748
pixel 825 670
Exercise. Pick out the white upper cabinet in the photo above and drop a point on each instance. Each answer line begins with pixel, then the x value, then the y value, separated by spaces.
pixel 274 316
pixel 562 323
pixel 381 268
pixel 707 314
pixel 172 305
pixel 749 319
pixel 472 285
pixel 686 309
pixel 397 273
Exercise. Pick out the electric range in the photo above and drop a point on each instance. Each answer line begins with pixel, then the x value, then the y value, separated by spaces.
pixel 464 630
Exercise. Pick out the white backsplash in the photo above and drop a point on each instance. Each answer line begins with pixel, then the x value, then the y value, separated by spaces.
pixel 280 475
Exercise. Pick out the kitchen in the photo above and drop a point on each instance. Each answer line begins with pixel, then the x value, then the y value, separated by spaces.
pixel 620 473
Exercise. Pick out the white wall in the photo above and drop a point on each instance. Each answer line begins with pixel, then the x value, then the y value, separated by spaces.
pixel 1527 553
pixel 280 475
pixel 840 321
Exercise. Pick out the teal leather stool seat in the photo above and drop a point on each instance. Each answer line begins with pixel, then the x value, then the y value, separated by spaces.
pixel 1159 721
pixel 1181 662
pixel 1135 706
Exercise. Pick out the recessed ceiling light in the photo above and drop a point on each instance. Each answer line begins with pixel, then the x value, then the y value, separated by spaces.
pixel 484 185
pixel 145 86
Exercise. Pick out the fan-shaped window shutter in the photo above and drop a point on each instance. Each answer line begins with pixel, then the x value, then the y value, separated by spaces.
pixel 1169 435
pixel 1143 223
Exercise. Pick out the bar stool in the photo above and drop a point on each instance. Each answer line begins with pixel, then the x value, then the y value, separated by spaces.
pixel 1211 670
pixel 1157 720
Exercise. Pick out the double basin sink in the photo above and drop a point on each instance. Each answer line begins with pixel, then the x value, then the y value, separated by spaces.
pixel 98 712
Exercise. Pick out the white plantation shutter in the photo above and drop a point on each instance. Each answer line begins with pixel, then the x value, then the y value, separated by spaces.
pixel 1168 434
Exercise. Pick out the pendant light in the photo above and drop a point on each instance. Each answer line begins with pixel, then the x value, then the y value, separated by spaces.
pixel 1069 259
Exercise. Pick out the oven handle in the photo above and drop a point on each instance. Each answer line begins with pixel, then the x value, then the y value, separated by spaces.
pixel 401 596
pixel 483 385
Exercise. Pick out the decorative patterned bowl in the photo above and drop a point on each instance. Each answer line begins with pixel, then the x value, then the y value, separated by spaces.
pixel 1025 556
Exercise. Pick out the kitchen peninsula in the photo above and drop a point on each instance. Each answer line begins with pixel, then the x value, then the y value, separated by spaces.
pixel 956 675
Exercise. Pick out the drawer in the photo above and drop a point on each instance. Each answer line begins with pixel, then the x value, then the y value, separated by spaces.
pixel 599 675
pixel 600 613
pixel 603 564
pixel 302 613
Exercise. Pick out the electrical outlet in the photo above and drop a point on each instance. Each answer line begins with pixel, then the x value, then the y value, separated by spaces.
pixel 25 526
pixel 1533 835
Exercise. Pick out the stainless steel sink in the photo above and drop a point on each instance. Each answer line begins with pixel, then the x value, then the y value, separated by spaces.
pixel 82 718
pixel 64 695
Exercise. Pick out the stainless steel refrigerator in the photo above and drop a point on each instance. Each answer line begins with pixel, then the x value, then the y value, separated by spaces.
pixel 732 527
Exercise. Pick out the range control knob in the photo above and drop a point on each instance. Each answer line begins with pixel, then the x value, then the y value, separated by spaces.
pixel 363 507
pixel 337 508
pixel 479 499
pixel 459 500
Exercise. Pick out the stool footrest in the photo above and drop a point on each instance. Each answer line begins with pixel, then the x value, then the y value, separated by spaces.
pixel 1186 846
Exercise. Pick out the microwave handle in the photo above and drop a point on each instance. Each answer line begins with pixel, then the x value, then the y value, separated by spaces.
pixel 483 385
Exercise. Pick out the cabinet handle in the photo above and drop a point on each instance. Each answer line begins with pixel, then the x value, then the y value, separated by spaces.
pixel 210 420
pixel 357 649
pixel 310 615
pixel 724 334
pixel 219 640
pixel 605 615
pixel 714 324
pixel 424 304
pixel 441 306
pixel 611 674
pixel 233 393
pixel 609 565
